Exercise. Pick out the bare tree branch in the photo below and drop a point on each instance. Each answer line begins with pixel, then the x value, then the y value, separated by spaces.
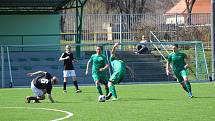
pixel 129 6
pixel 189 6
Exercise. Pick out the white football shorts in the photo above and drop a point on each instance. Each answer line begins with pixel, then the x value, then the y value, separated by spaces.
pixel 69 73
pixel 35 90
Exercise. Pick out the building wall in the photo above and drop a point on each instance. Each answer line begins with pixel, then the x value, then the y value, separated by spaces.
pixel 29 29
pixel 200 6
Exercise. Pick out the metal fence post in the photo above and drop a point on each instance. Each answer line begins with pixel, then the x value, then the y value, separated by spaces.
pixel 196 58
pixel 120 30
pixel 213 39
pixel 8 58
pixel 176 26
pixel 2 64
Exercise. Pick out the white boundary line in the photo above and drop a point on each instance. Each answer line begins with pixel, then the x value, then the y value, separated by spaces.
pixel 69 114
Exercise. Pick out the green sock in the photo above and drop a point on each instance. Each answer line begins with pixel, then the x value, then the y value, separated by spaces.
pixel 107 90
pixel 188 85
pixel 184 87
pixel 113 90
pixel 99 89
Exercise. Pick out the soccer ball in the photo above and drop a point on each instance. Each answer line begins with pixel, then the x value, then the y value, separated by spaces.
pixel 101 98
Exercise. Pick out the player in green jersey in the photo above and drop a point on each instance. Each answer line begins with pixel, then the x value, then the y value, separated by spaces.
pixel 180 68
pixel 99 68
pixel 119 71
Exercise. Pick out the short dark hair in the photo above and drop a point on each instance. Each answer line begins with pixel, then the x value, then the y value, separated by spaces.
pixel 100 47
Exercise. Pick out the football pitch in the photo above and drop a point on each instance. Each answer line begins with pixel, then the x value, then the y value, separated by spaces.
pixel 143 102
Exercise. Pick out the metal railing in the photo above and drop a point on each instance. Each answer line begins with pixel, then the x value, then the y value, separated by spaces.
pixel 130 27
pixel 98 28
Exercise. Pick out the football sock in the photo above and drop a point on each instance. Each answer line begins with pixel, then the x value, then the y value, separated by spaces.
pixel 113 90
pixel 188 85
pixel 107 90
pixel 108 96
pixel 99 89
pixel 64 85
pixel 32 98
pixel 75 84
pixel 37 101
pixel 184 87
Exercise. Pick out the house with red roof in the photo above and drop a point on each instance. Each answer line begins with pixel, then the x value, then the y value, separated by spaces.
pixel 200 13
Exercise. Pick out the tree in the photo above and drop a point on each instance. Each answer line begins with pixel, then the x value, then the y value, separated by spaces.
pixel 126 6
pixel 139 6
pixel 189 7
pixel 94 7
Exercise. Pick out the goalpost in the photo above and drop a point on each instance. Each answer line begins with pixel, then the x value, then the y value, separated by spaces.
pixel 149 67
pixel 194 50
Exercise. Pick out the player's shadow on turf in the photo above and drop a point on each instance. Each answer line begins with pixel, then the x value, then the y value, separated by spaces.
pixel 203 97
pixel 69 102
pixel 141 99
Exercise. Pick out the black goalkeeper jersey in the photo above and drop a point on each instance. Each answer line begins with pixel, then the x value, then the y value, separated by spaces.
pixel 68 64
pixel 43 82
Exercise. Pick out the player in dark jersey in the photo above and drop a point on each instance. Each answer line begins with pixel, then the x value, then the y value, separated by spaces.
pixel 69 70
pixel 41 85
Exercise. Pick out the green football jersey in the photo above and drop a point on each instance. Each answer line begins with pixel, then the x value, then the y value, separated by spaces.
pixel 177 60
pixel 99 61
pixel 117 65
